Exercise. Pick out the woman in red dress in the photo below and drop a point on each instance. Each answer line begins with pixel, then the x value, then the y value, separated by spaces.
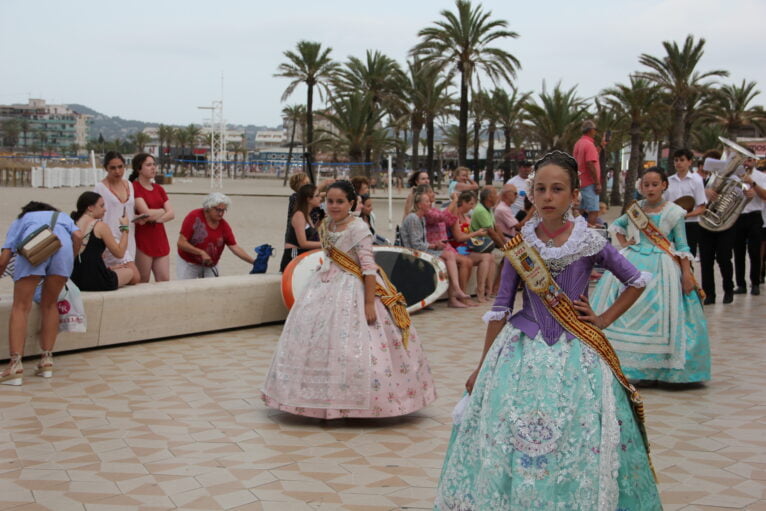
pixel 152 247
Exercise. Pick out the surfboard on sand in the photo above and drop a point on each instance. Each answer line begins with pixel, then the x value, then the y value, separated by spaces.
pixel 419 276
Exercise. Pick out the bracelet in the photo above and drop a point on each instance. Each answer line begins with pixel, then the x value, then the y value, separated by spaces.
pixel 124 228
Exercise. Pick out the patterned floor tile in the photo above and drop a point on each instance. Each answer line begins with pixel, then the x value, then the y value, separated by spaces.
pixel 151 426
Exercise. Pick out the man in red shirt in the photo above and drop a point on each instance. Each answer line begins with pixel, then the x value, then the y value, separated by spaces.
pixel 589 170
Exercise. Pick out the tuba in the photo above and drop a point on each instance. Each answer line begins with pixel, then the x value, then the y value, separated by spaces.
pixel 722 212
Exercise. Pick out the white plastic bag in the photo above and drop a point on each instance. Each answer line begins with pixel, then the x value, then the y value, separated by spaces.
pixel 71 309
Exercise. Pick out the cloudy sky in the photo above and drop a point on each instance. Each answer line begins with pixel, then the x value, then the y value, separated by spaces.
pixel 159 60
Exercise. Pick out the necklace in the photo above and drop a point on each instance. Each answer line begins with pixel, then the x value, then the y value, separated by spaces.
pixel 343 222
pixel 552 235
pixel 652 207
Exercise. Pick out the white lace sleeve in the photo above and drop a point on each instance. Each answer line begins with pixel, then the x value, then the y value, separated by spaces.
pixel 495 314
pixel 617 229
pixel 642 280
pixel 684 255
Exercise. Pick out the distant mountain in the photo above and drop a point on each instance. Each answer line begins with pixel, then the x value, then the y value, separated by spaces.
pixel 116 127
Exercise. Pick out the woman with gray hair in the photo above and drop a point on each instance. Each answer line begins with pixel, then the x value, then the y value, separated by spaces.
pixel 204 233
pixel 413 232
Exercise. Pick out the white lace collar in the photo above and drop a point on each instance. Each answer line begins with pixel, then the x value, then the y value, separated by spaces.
pixel 582 240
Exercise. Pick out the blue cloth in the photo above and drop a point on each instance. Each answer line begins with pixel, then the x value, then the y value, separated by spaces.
pixel 589 198
pixel 261 263
pixel 663 336
pixel 61 263
pixel 547 428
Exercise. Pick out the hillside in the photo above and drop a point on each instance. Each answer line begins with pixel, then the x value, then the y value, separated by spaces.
pixel 116 127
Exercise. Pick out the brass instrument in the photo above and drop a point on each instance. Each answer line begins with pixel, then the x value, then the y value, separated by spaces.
pixel 722 212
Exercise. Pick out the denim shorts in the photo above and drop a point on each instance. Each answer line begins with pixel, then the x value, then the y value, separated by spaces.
pixel 589 198
pixel 61 263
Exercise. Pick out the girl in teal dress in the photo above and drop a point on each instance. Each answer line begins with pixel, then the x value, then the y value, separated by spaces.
pixel 663 337
pixel 547 426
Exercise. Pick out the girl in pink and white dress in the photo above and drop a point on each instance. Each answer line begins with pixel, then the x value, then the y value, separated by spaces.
pixel 340 353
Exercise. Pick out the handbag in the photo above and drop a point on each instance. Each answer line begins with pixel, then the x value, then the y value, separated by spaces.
pixel 480 244
pixel 41 243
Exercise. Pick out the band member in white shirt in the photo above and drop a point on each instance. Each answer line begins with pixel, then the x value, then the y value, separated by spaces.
pixel 682 183
pixel 747 230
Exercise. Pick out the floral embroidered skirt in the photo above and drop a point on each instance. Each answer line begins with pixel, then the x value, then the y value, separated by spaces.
pixel 546 428
pixel 331 364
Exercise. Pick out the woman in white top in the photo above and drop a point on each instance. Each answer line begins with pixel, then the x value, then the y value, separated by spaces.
pixel 119 200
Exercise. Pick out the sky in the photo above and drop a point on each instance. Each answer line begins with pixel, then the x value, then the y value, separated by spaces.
pixel 157 61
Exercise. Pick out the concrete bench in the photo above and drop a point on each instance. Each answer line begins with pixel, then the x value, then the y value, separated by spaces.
pixel 164 309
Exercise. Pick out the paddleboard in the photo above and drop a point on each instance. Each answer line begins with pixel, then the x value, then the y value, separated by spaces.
pixel 419 276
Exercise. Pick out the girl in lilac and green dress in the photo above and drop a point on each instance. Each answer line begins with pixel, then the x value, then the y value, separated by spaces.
pixel 547 425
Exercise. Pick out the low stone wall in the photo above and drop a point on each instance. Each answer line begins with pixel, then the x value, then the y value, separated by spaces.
pixel 164 309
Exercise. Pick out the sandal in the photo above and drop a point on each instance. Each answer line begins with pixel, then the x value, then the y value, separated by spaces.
pixel 14 374
pixel 45 366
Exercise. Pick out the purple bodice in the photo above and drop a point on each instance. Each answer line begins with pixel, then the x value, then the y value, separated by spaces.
pixel 571 265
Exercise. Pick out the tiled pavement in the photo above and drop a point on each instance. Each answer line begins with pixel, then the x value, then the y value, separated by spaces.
pixel 178 424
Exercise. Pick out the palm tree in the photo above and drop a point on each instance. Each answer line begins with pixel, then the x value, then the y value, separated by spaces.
pixel 312 65
pixel 732 108
pixel 165 134
pixel 699 110
pixel 478 107
pixel 462 40
pixel 139 140
pixel 24 126
pixel 295 114
pixel 635 104
pixel 511 111
pixel 355 128
pixel 676 74
pixel 11 129
pixel 451 135
pixel 193 136
pixel 379 76
pixel 435 101
pixel 554 122
pixel 414 89
pixel 492 115
pixel 706 137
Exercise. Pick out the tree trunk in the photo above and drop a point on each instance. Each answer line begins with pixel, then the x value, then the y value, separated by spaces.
pixel 290 153
pixel 676 132
pixel 634 165
pixel 462 149
pixel 614 199
pixel 401 154
pixel 416 128
pixel 476 169
pixel 430 149
pixel 490 174
pixel 310 133
pixel 507 155
pixel 602 162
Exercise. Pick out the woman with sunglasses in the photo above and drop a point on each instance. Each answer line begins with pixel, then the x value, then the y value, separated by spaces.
pixel 204 233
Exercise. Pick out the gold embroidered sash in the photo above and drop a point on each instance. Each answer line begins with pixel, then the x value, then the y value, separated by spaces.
pixel 643 223
pixel 387 292
pixel 532 269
